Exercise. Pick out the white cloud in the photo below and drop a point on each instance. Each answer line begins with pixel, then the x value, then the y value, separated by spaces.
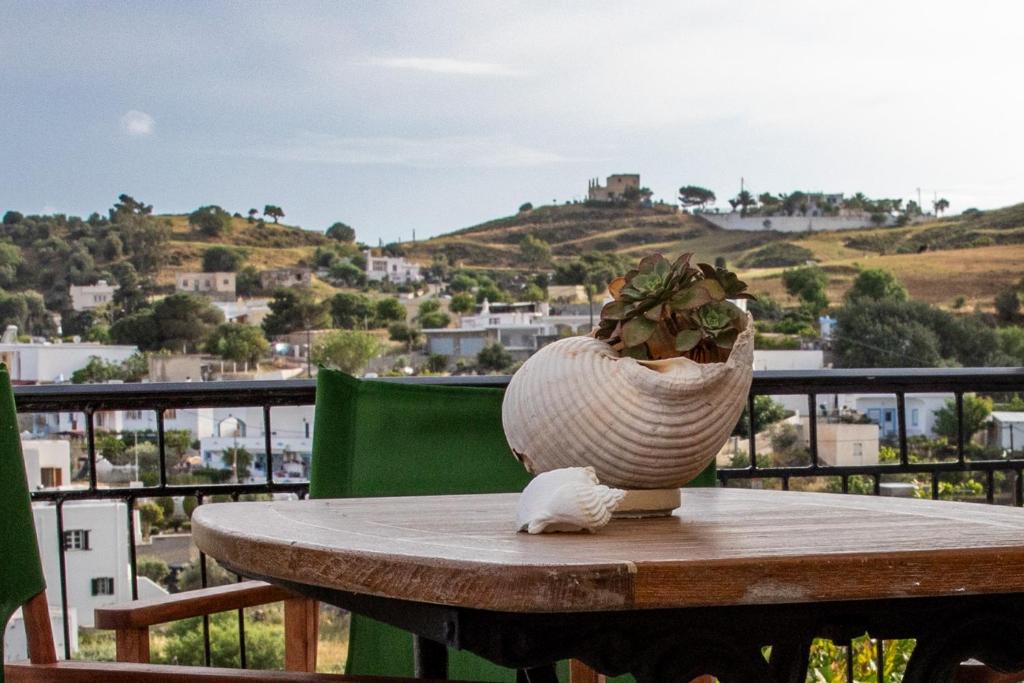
pixel 444 65
pixel 446 152
pixel 137 123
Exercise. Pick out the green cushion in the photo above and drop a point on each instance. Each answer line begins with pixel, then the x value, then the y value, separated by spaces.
pixel 21 573
pixel 375 438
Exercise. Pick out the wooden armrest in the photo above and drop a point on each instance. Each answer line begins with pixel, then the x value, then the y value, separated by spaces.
pixel 144 613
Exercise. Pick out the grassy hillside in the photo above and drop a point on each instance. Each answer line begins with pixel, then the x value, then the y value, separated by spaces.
pixel 971 256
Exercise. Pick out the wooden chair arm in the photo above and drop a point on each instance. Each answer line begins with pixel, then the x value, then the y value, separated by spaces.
pixel 102 672
pixel 145 613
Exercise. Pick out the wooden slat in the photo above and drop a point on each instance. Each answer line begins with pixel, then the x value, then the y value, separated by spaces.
pixel 132 645
pixel 301 629
pixel 142 613
pixel 100 672
pixel 38 633
pixel 722 547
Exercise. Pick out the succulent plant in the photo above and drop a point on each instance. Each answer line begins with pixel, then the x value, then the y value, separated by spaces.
pixel 666 310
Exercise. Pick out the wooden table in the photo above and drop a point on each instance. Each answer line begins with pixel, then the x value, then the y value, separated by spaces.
pixel 700 592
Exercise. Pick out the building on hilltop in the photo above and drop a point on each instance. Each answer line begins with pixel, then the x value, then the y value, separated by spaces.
pixel 220 286
pixel 391 268
pixel 88 297
pixel 615 189
pixel 285 277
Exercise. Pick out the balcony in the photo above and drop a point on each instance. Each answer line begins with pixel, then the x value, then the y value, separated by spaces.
pixel 907 468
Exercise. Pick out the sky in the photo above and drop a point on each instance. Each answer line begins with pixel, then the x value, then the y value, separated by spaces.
pixel 396 117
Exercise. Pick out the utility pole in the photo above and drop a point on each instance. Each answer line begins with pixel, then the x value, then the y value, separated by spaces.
pixel 920 207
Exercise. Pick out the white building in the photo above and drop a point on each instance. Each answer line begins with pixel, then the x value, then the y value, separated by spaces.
pixel 245 311
pixel 16 644
pixel 88 297
pixel 47 462
pixel 45 363
pixel 291 442
pixel 1006 430
pixel 220 285
pixel 391 268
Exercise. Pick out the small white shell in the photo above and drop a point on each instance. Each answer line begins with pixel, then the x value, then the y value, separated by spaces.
pixel 567 499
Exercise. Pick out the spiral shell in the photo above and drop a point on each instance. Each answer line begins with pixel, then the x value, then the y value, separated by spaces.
pixel 639 424
pixel 569 499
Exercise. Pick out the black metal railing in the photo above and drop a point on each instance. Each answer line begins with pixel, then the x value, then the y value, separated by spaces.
pixel 268 395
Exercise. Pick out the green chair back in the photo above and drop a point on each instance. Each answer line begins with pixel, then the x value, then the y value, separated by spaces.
pixel 21 572
pixel 396 439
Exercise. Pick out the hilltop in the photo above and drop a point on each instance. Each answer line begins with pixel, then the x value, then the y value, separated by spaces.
pixel 973 255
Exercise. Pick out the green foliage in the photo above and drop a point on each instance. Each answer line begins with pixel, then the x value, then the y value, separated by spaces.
pixel 1011 344
pixel 247 281
pixel 462 303
pixel 431 316
pixel 976 413
pixel 534 293
pixel 807 284
pixel 10 261
pixel 534 251
pixel 526 206
pixel 221 259
pixel 461 282
pixel 28 311
pixel 777 255
pixel 494 357
pixel 183 643
pixel 347 274
pixel 341 232
pixel 1008 305
pixel 694 195
pixel 293 309
pixel 827 662
pixel 876 284
pixel 353 311
pixel 766 412
pixel 238 342
pixel 666 310
pixel 273 211
pixel 405 333
pixel 179 322
pixel 13 218
pixel 98 371
pixel 594 268
pixel 238 460
pixel 153 568
pixel 389 310
pixel 346 350
pixel 436 362
pixel 492 293
pixel 151 515
pixel 212 221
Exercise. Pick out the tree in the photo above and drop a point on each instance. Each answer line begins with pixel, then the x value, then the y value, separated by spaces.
pixel 184 643
pixel 10 260
pixel 940 206
pixel 274 212
pixel 744 200
pixel 352 311
pixel 341 232
pixel 694 195
pixel 153 568
pixel 389 309
pixel 132 291
pixel 221 259
pixel 13 218
pixel 346 350
pixel 27 311
pixel 491 292
pixel 766 412
pixel 210 220
pixel 184 320
pixel 151 515
pixel 293 309
pixel 251 218
pixel 526 206
pixel 238 460
pixel 976 412
pixel 247 281
pixel 347 274
pixel 807 284
pixel 462 303
pixel 535 251
pixel 99 371
pixel 238 342
pixel 436 362
pixel 404 333
pixel 1008 305
pixel 877 284
pixel 534 293
pixel 431 316
pixel 494 357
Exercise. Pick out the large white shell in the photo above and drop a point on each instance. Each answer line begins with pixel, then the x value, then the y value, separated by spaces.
pixel 569 499
pixel 639 424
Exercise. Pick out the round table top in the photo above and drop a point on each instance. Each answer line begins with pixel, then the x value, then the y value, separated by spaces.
pixel 722 547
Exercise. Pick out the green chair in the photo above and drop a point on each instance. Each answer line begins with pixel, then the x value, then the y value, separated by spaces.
pixel 374 438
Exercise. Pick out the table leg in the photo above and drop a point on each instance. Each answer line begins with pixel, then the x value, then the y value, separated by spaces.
pixel 789 661
pixel 430 657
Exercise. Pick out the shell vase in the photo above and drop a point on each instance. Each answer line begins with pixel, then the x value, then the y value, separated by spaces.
pixel 642 425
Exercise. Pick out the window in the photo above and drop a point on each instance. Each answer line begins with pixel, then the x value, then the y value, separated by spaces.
pixel 134 414
pixel 76 539
pixel 914 417
pixel 103 585
pixel 50 477
pixel 858 450
pixel 184 283
pixel 170 414
pixel 225 282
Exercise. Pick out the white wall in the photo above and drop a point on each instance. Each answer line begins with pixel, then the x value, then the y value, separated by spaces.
pixel 16 644
pixel 46 363
pixel 41 453
pixel 733 221
pixel 107 556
